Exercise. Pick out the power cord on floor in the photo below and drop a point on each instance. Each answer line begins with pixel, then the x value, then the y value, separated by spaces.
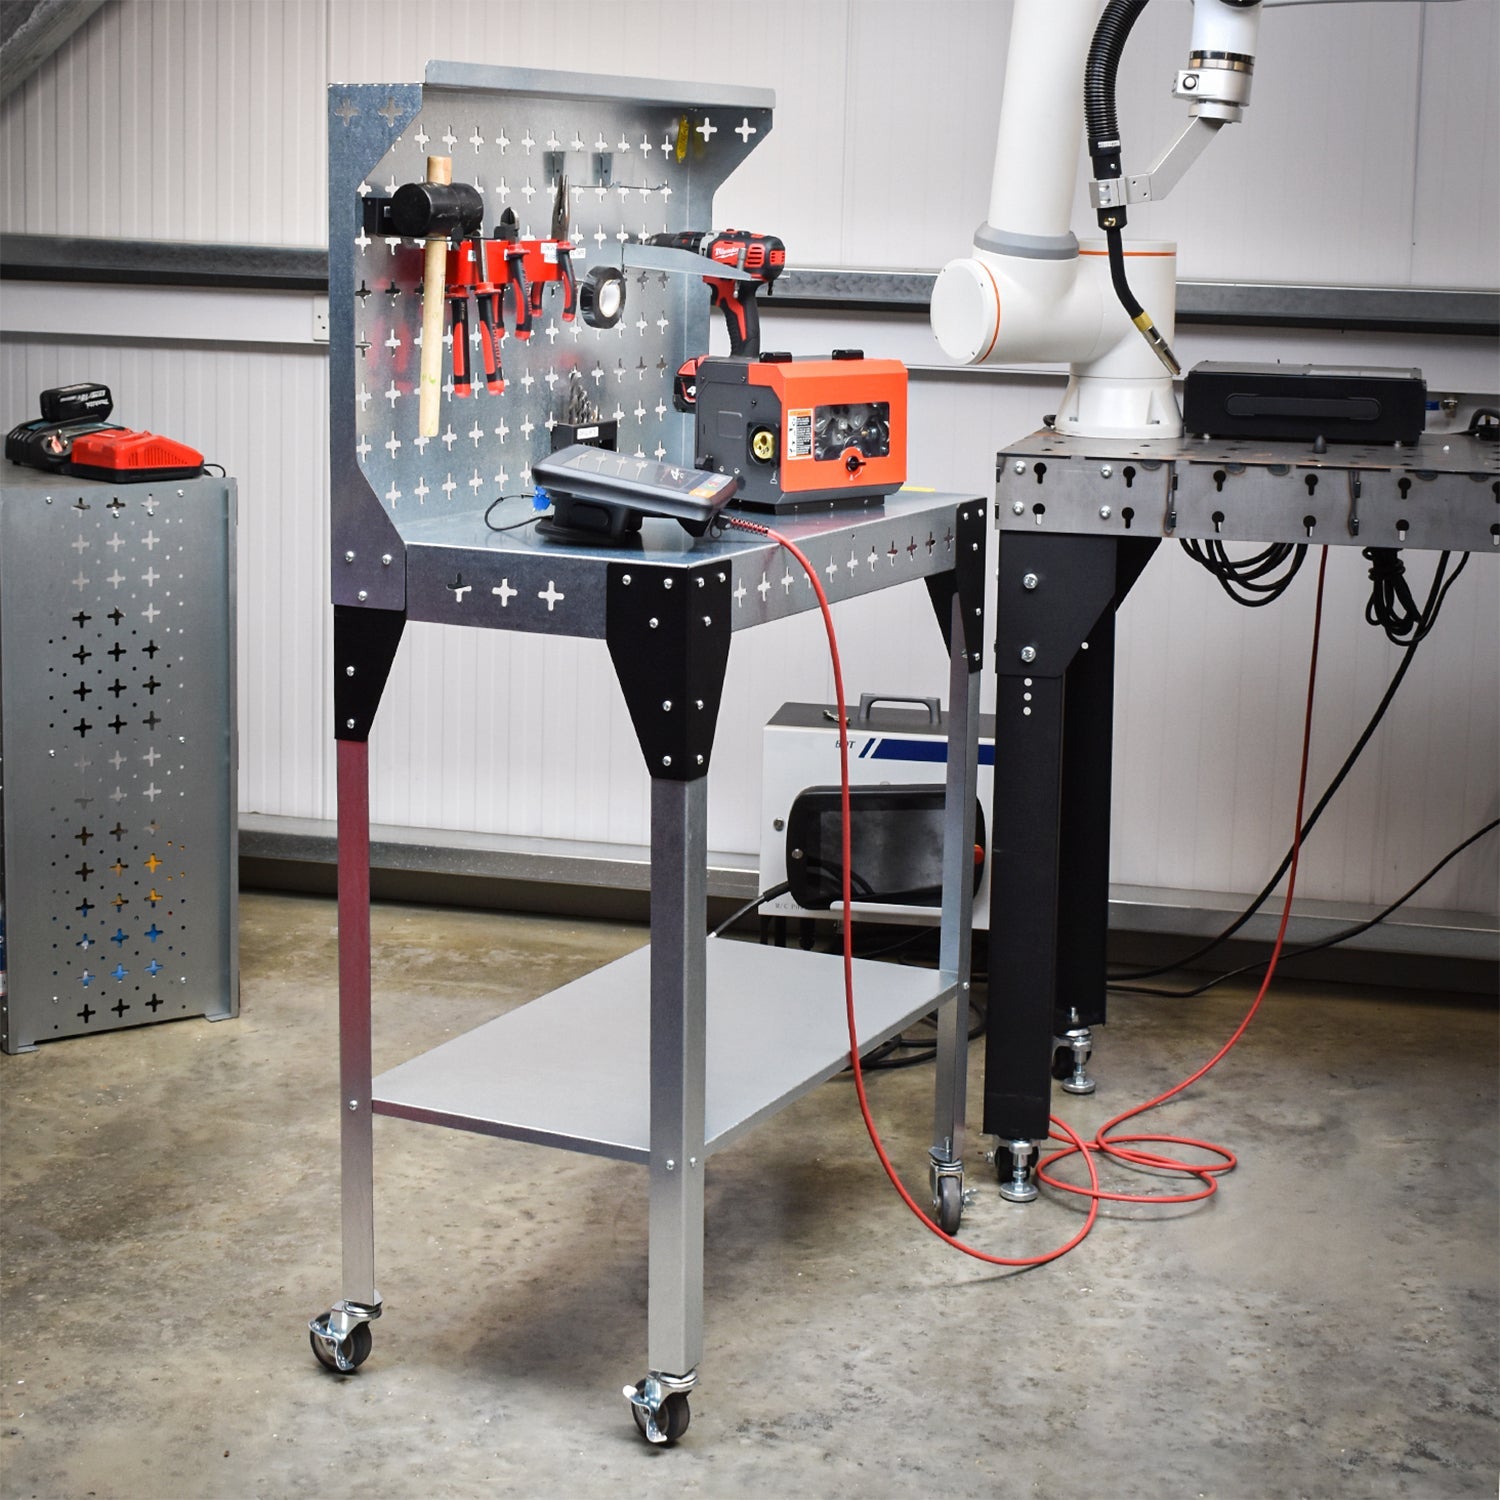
pixel 1061 1131
pixel 1123 1149
pixel 1436 594
pixel 1328 942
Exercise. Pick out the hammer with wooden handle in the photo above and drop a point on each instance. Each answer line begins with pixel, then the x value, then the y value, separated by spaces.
pixel 433 211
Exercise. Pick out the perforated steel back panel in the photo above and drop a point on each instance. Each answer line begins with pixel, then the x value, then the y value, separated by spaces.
pixel 639 157
pixel 116 754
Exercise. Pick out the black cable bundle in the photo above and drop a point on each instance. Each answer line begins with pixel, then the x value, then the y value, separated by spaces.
pixel 1435 596
pixel 1255 580
pixel 1392 606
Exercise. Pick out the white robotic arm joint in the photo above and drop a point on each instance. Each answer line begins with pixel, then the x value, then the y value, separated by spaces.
pixel 1030 292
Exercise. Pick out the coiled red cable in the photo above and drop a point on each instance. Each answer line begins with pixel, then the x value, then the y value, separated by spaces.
pixel 1121 1148
pixel 1118 1148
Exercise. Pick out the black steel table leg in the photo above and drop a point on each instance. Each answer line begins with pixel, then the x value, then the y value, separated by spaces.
pixel 1054 593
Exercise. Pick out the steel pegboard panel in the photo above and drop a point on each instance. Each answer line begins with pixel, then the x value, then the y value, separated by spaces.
pixel 639 157
pixel 117 751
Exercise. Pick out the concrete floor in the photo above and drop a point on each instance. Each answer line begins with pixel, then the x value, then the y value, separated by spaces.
pixel 1326 1326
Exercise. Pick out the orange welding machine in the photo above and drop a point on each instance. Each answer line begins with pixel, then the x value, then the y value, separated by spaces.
pixel 803 434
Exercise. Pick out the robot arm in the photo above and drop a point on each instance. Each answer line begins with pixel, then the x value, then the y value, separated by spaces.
pixel 1030 292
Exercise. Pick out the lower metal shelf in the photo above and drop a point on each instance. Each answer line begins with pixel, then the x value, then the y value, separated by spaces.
pixel 571 1068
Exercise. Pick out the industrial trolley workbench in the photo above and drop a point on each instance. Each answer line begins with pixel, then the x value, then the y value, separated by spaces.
pixel 675 1051
pixel 1079 518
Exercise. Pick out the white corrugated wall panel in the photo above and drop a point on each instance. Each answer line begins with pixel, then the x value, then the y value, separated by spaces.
pixel 177 120
pixel 1456 196
pixel 206 121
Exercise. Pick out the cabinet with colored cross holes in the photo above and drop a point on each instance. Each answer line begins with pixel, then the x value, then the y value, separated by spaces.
pixel 117 755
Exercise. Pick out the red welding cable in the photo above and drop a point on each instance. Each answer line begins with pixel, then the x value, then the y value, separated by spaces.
pixel 1121 1148
pixel 1060 1130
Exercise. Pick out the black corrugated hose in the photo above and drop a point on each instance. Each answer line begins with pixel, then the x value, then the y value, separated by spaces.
pixel 1103 125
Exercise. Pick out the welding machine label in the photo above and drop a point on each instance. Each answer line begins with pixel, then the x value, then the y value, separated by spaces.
pixel 799 434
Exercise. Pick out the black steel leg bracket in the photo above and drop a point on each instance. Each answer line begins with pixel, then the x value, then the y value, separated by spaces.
pixel 668 633
pixel 364 646
pixel 971 530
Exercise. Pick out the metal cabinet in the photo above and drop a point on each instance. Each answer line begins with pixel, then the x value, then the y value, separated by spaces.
pixel 117 755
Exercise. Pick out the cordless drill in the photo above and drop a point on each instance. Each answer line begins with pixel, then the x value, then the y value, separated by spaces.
pixel 763 256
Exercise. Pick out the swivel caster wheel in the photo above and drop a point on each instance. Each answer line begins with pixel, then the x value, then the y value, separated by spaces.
pixel 665 1422
pixel 341 1354
pixel 950 1204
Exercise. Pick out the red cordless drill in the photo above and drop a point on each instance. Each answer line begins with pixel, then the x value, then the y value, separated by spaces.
pixel 763 256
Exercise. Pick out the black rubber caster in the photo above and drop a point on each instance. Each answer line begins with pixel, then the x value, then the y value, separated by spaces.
pixel 950 1204
pixel 1062 1063
pixel 672 1419
pixel 356 1349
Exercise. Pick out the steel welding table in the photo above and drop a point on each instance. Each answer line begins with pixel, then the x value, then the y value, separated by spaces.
pixel 1079 519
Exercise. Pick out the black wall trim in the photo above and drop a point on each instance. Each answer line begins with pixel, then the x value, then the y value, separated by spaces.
pixel 47 257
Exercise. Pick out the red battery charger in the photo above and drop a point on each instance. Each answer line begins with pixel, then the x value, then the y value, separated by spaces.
pixel 133 457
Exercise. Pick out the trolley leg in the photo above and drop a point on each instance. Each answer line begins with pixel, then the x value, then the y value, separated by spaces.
pixel 950 1098
pixel 341 1337
pixel 364 647
pixel 357 1163
pixel 679 920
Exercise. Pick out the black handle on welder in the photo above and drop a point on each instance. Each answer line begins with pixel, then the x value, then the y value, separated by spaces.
pixel 867 702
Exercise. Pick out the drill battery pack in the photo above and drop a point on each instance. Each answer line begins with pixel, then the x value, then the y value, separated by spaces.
pixel 803 434
pixel 71 438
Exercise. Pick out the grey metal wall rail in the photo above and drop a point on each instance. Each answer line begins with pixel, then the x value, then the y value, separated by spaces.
pixel 1417 310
